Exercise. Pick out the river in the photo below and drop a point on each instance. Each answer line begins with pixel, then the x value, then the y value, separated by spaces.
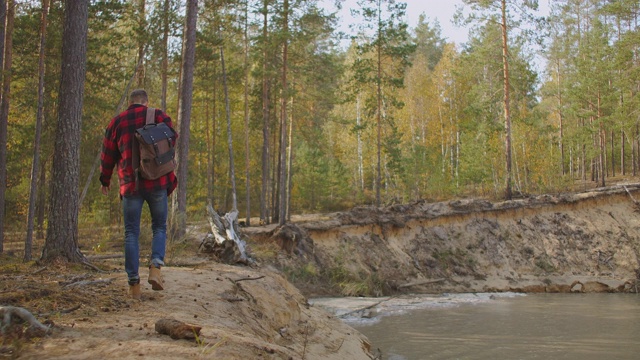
pixel 512 326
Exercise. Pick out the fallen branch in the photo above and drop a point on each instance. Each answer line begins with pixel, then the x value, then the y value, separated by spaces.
pixel 90 265
pixel 89 282
pixel 245 279
pixel 631 196
pixel 423 282
pixel 635 203
pixel 35 329
pixel 104 257
pixel 177 329
pixel 231 298
pixel 66 311
pixel 39 271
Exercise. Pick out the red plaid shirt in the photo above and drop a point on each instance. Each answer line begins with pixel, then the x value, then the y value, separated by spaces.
pixel 117 149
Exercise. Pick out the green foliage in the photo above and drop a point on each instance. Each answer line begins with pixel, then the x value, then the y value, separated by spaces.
pixel 304 274
pixel 350 284
pixel 440 107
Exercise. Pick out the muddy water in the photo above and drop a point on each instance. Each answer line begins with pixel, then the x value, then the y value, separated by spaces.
pixel 554 326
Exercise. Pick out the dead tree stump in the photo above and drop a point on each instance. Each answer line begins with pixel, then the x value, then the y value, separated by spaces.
pixel 224 241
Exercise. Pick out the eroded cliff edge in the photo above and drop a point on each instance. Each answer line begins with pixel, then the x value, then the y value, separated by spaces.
pixel 575 242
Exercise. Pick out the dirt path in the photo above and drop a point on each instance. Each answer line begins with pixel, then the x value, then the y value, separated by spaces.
pixel 244 314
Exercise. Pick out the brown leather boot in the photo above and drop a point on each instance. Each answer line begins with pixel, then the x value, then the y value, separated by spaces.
pixel 135 292
pixel 155 279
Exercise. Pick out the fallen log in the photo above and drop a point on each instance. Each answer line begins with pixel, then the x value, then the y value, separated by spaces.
pixel 177 329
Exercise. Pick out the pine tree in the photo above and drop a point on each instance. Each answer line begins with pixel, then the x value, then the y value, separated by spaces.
pixel 383 48
pixel 62 234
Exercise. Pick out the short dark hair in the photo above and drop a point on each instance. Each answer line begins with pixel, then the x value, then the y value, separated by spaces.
pixel 138 96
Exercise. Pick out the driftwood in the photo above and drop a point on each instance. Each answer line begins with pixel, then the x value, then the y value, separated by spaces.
pixel 11 319
pixel 177 329
pixel 223 241
pixel 367 307
pixel 423 282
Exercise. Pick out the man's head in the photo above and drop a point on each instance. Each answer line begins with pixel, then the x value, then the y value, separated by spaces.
pixel 138 96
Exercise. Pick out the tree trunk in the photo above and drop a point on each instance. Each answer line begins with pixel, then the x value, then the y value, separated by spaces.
pixel 214 134
pixel 622 149
pixel 264 198
pixel 186 99
pixel 274 169
pixel 613 156
pixel 603 145
pixel 62 234
pixel 4 121
pixel 246 113
pixel 282 218
pixel 35 165
pixel 507 114
pixel 165 55
pixel 359 138
pixel 142 38
pixel 379 104
pixel 208 132
pixel 42 196
pixel 289 166
pixel 232 171
pixel 561 116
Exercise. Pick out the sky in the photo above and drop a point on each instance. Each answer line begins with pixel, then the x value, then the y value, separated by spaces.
pixel 441 10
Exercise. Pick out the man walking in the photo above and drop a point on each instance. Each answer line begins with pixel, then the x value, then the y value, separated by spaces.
pixel 118 149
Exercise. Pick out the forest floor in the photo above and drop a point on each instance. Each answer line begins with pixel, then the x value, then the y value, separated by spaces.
pixel 575 242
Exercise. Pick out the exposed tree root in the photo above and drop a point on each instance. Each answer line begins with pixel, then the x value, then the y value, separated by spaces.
pixel 12 320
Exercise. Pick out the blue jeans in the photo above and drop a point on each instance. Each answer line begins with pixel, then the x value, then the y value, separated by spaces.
pixel 132 210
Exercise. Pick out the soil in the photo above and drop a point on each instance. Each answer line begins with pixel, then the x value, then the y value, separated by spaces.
pixel 577 242
pixel 244 314
pixel 574 242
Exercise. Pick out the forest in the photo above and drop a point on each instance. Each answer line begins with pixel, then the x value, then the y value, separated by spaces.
pixel 284 114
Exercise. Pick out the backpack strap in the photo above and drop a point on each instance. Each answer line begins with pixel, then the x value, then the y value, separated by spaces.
pixel 151 116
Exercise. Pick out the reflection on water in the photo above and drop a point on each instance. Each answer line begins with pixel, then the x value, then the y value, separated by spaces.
pixel 546 326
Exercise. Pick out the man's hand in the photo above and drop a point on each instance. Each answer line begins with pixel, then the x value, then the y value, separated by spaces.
pixel 105 189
